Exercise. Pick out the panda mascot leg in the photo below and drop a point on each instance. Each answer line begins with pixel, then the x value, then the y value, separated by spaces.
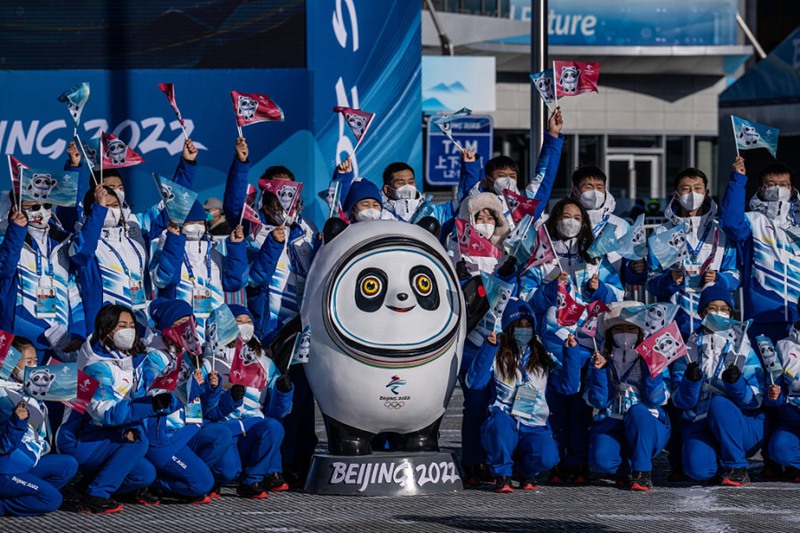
pixel 346 440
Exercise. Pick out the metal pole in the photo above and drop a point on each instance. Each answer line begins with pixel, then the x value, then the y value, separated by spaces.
pixel 539 62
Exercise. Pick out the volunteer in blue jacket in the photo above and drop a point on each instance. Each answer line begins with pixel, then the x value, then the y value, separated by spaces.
pixel 109 440
pixel 784 393
pixel 711 256
pixel 631 427
pixel 720 393
pixel 30 476
pixel 183 448
pixel 517 369
pixel 256 423
pixel 363 203
pixel 768 254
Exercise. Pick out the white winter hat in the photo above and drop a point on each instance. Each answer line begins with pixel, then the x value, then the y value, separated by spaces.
pixel 611 318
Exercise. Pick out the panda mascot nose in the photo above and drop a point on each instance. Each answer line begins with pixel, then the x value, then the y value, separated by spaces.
pixel 402 296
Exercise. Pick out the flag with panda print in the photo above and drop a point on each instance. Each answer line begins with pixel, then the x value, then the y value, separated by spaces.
pixel 251 108
pixel 57 187
pixel 116 154
pixel 57 382
pixel 569 311
pixel 443 122
pixel 288 193
pixel 669 247
pixel 750 135
pixel 251 215
pixel 185 336
pixel 544 252
pixel 9 356
pixel 246 368
pixel 769 357
pixel 76 98
pixel 633 245
pixel 575 77
pixel 357 120
pixel 588 326
pixel 661 348
pixel 178 200
pixel 471 243
pixel 735 331
pixel 15 167
pixel 545 86
pixel 519 206
pixel 605 242
pixel 498 293
pixel 650 318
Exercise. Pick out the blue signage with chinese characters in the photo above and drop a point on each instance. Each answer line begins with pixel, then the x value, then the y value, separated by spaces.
pixel 443 164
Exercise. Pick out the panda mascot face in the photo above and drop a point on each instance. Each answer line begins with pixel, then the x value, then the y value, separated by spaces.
pixel 384 303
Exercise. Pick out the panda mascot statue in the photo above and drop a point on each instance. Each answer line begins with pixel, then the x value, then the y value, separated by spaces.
pixel 388 322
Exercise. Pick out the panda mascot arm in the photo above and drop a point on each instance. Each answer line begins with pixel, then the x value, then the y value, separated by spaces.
pixel 167 266
pixel 732 219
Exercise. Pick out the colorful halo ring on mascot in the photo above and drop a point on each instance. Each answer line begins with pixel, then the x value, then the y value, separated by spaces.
pixel 414 295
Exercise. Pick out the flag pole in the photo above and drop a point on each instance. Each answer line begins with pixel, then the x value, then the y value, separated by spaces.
pixel 86 158
pixel 241 217
pixel 555 85
pixel 11 175
pixel 733 127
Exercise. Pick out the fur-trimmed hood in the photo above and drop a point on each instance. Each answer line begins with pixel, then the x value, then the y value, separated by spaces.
pixel 474 204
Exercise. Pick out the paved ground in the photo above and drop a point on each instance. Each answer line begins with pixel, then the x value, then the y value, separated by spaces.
pixel 763 507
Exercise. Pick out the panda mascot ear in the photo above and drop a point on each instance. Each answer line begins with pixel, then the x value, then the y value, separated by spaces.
pixel 333 227
pixel 476 302
pixel 431 225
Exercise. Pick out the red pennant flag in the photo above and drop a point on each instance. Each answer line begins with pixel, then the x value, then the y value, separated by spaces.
pixel 359 121
pixel 87 386
pixel 5 344
pixel 575 77
pixel 288 193
pixel 471 243
pixel 569 311
pixel 253 108
pixel 169 90
pixel 168 379
pixel 15 167
pixel 662 348
pixel 593 311
pixel 117 154
pixel 250 195
pixel 251 215
pixel 246 369
pixel 185 336
pixel 519 206
pixel 544 251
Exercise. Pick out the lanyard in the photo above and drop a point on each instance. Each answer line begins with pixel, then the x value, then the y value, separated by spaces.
pixel 600 225
pixel 722 354
pixel 189 266
pixel 122 263
pixel 621 379
pixel 696 250
pixel 36 249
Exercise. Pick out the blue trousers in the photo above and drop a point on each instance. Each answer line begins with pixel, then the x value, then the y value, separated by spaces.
pixel 36 492
pixel 187 470
pixel 503 439
pixel 570 418
pixel 257 453
pixel 784 445
pixel 116 464
pixel 630 443
pixel 727 436
pixel 300 439
pixel 473 413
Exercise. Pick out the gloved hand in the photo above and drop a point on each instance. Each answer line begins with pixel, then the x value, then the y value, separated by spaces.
pixel 461 270
pixel 284 383
pixel 508 267
pixel 693 372
pixel 131 435
pixel 162 401
pixel 731 374
pixel 237 393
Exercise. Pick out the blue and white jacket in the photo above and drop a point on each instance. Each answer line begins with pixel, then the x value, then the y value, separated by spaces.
pixel 624 382
pixel 704 236
pixel 21 444
pixel 769 257
pixel 484 372
pixel 714 353
pixel 788 355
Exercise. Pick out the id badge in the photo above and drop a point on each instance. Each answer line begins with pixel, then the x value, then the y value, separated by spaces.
pixel 45 299
pixel 137 294
pixel 193 412
pixel 525 402
pixel 692 274
pixel 201 301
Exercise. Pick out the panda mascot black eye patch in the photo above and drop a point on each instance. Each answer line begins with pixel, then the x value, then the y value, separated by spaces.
pixel 423 285
pixel 371 289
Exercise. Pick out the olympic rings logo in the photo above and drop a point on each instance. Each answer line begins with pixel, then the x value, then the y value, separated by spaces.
pixel 393 404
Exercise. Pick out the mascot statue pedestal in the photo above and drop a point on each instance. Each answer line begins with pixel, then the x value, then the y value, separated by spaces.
pixel 388 321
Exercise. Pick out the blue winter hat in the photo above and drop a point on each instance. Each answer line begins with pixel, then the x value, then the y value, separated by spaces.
pixel 238 310
pixel 516 309
pixel 197 213
pixel 165 312
pixel 714 292
pixel 361 190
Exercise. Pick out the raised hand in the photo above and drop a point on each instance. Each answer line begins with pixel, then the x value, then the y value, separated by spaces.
pixel 189 150
pixel 74 154
pixel 738 165
pixel 237 235
pixel 241 149
pixel 345 166
pixel 555 123
pixel 21 410
pixel 468 156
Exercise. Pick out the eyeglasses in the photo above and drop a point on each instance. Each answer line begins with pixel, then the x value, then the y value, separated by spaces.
pixel 36 207
pixel 715 309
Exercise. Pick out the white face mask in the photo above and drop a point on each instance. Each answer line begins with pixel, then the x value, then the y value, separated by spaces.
pixel 124 339
pixel 569 227
pixel 406 192
pixel 246 331
pixel 194 232
pixel 368 214
pixel 592 199
pixel 691 201
pixel 112 217
pixel 38 219
pixel 120 195
pixel 626 340
pixel 485 230
pixel 775 193
pixel 505 183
